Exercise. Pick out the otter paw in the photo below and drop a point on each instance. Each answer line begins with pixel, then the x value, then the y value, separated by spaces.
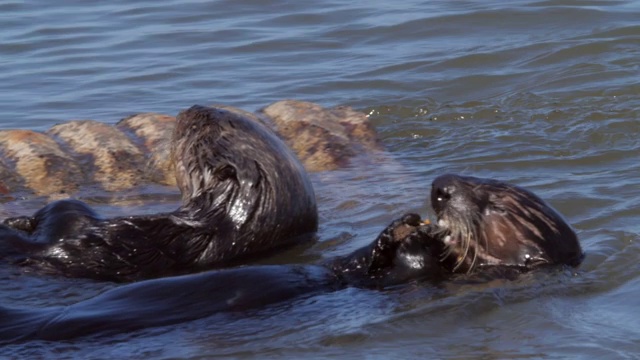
pixel 411 219
pixel 385 245
pixel 23 223
pixel 397 230
pixel 401 228
pixel 429 230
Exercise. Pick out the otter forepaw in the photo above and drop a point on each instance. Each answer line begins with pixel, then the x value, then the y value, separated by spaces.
pixel 429 230
pixel 397 230
pixel 411 219
pixel 387 242
pixel 22 223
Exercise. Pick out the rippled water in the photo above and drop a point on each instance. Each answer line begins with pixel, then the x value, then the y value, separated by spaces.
pixel 545 94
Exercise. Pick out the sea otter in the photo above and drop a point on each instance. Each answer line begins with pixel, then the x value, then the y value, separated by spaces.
pixel 243 193
pixel 402 252
pixel 487 223
pixel 483 224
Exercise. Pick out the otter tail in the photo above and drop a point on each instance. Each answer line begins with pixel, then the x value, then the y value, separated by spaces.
pixel 167 301
pixel 20 325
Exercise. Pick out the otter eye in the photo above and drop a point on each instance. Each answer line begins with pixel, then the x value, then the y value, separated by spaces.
pixel 225 172
pixel 442 195
pixel 496 205
pixel 498 208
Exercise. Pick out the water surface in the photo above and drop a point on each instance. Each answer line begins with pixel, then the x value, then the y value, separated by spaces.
pixel 545 94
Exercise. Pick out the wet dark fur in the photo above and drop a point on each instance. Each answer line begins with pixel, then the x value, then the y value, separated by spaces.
pixel 401 253
pixel 406 250
pixel 243 193
pixel 487 223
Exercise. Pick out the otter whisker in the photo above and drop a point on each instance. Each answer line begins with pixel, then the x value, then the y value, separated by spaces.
pixel 486 244
pixel 455 234
pixel 446 253
pixel 476 236
pixel 472 240
pixel 473 260
pixel 473 236
pixel 465 237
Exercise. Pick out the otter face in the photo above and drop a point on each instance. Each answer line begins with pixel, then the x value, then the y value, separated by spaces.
pixel 487 222
pixel 235 170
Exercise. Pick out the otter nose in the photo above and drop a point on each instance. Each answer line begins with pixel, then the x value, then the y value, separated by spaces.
pixel 442 189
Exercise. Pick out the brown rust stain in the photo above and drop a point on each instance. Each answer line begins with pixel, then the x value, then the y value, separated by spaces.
pixel 117 160
pixel 137 149
pixel 8 180
pixel 154 132
pixel 43 166
pixel 324 139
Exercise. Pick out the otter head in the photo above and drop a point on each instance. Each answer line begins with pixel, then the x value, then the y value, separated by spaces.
pixel 235 174
pixel 487 222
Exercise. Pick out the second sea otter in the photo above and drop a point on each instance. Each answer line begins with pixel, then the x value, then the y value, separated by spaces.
pixel 487 223
pixel 243 193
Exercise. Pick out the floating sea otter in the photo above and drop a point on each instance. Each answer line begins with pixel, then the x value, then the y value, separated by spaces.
pixel 243 193
pixel 488 223
pixel 483 224
pixel 401 253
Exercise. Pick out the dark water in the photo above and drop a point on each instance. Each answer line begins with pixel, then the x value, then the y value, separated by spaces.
pixel 545 94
